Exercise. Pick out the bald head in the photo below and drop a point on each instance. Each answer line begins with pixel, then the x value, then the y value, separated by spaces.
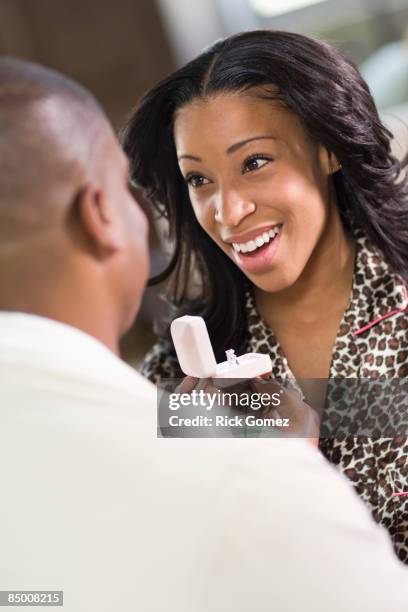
pixel 73 241
pixel 50 129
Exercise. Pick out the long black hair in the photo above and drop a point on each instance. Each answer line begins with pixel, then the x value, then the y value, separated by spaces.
pixel 325 89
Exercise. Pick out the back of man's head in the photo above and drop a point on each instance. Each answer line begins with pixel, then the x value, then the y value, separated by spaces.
pixel 48 125
pixel 70 230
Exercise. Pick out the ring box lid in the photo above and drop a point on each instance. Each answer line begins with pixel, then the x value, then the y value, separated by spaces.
pixel 193 347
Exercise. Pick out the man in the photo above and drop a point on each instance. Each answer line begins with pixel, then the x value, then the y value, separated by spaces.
pixel 92 503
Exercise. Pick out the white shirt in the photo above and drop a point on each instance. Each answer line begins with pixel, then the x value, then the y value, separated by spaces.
pixel 94 504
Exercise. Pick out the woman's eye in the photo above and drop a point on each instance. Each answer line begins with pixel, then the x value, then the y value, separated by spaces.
pixel 196 181
pixel 255 163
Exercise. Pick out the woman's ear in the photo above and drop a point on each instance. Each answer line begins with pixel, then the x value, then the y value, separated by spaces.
pixel 329 161
pixel 334 163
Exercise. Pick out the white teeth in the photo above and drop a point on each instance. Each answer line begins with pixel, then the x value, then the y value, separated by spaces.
pixel 252 245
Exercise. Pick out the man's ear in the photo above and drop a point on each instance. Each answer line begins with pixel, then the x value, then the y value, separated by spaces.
pixel 329 161
pixel 96 219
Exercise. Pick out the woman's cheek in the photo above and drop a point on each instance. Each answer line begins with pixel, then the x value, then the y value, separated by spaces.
pixel 204 217
pixel 302 203
pixel 197 209
pixel 291 189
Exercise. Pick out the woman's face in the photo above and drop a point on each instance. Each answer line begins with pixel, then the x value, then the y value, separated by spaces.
pixel 258 185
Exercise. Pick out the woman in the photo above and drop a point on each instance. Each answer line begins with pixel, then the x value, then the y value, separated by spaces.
pixel 285 205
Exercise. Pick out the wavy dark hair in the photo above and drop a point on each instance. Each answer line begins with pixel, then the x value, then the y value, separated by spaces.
pixel 322 87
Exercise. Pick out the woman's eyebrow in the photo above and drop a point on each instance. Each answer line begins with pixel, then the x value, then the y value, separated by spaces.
pixel 232 148
pixel 186 156
pixel 241 143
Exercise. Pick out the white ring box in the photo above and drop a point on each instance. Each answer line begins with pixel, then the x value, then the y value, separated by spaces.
pixel 196 356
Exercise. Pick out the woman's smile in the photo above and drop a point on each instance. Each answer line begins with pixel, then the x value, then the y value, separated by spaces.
pixel 239 241
pixel 257 255
pixel 257 184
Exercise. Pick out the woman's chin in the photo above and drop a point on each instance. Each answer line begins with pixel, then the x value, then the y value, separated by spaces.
pixel 276 279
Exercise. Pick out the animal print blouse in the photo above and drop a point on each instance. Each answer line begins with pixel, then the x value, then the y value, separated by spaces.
pixel 372 342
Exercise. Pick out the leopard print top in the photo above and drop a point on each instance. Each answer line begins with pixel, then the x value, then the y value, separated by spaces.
pixel 372 342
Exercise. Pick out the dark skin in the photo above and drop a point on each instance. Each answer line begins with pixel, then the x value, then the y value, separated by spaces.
pixel 259 168
pixel 74 231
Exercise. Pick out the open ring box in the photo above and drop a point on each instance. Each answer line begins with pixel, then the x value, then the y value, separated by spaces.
pixel 196 356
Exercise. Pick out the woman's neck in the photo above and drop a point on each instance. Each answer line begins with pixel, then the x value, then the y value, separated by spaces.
pixel 324 286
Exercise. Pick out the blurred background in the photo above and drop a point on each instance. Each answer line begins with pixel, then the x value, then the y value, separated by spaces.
pixel 120 48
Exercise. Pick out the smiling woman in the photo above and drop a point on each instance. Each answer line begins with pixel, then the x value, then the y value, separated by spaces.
pixel 273 180
pixel 267 156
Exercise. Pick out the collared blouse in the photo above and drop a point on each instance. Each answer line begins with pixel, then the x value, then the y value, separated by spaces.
pixel 371 343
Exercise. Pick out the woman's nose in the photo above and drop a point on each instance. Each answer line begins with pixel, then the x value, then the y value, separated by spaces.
pixel 231 208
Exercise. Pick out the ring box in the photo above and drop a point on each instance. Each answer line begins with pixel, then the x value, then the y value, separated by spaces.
pixel 196 356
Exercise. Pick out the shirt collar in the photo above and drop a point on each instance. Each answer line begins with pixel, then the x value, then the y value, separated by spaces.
pixel 377 291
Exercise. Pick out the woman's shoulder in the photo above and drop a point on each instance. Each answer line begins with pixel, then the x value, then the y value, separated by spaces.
pixel 160 363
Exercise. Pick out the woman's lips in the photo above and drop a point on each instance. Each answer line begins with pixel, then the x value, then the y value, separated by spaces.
pixel 250 235
pixel 259 260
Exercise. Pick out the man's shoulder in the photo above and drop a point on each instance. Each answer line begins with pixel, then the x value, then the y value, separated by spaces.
pixel 39 355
